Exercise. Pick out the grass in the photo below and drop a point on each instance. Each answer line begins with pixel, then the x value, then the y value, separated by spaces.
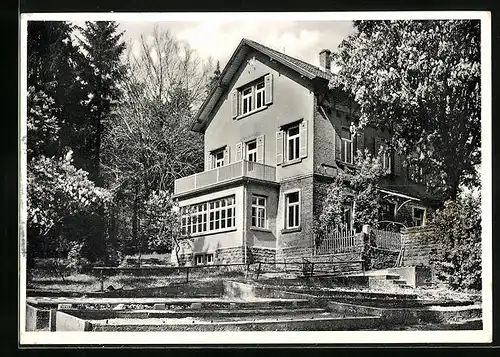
pixel 89 283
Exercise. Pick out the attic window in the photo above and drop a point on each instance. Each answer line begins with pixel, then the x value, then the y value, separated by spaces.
pixel 253 97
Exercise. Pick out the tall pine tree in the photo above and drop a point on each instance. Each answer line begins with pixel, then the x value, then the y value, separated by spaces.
pixel 55 93
pixel 101 70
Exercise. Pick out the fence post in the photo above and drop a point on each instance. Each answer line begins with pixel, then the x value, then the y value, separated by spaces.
pixel 101 277
pixel 258 271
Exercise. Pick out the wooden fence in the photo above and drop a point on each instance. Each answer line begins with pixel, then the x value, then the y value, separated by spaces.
pixel 339 240
pixel 388 240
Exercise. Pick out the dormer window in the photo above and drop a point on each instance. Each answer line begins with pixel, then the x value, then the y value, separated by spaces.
pixel 252 97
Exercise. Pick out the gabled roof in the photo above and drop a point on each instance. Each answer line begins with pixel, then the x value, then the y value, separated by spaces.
pixel 204 115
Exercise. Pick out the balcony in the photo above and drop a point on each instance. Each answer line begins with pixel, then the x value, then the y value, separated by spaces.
pixel 233 171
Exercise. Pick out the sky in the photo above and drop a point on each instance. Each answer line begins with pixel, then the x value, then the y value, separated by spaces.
pixel 218 39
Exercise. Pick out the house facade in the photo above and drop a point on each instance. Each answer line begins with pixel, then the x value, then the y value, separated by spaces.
pixel 275 137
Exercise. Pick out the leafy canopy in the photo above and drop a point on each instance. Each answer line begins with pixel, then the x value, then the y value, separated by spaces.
pixel 458 226
pixel 421 81
pixel 356 189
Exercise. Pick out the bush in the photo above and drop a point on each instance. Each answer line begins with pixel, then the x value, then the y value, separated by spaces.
pixel 76 263
pixel 458 228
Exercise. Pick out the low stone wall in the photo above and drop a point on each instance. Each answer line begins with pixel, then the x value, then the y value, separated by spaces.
pixel 414 276
pixel 418 244
pixel 342 266
pixel 36 319
pixel 294 254
pixel 382 259
pixel 67 322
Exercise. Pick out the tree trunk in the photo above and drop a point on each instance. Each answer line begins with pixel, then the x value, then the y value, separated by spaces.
pixel 134 216
pixel 97 162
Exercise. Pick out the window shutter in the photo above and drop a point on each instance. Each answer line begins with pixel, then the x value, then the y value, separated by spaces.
pixel 208 162
pixel 397 164
pixel 303 139
pixel 338 145
pixel 279 147
pixel 360 141
pixel 239 151
pixel 260 149
pixel 268 84
pixel 234 103
pixel 226 156
pixel 378 143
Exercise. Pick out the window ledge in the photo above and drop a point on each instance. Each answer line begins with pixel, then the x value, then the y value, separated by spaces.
pixel 196 235
pixel 347 164
pixel 260 229
pixel 293 162
pixel 291 230
pixel 251 112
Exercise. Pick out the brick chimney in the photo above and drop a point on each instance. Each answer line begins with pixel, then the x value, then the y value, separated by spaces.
pixel 325 59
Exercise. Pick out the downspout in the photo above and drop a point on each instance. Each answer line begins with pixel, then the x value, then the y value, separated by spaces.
pixel 244 229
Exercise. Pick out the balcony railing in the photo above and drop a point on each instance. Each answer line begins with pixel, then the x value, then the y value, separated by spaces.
pixel 225 173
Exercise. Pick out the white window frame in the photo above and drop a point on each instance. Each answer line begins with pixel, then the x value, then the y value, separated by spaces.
pixel 295 139
pixel 249 95
pixel 413 217
pixel 198 259
pixel 347 143
pixel 248 98
pixel 296 207
pixel 386 158
pixel 260 208
pixel 203 218
pixel 218 162
pixel 204 259
pixel 251 152
pixel 260 92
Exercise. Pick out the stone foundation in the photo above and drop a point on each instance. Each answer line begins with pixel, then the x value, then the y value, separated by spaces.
pixel 234 255
pixel 264 255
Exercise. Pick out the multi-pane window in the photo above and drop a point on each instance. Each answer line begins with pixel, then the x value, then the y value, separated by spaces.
pixel 418 215
pixel 259 212
pixel 386 158
pixel 293 143
pixel 346 149
pixel 204 259
pixel 259 95
pixel 253 97
pixel 292 201
pixel 246 100
pixel 209 216
pixel 388 211
pixel 252 151
pixel 347 217
pixel 218 157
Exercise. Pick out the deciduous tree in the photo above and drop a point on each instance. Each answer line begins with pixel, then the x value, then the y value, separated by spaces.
pixel 421 81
